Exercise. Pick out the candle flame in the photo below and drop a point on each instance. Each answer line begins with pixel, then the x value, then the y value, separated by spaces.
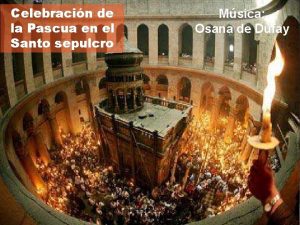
pixel 274 69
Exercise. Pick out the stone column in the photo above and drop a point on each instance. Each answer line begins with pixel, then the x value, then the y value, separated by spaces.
pixel 153 44
pixel 47 63
pixel 28 73
pixel 245 138
pixel 110 99
pixel 115 93
pixel 42 148
pixel 134 98
pixel 9 79
pixel 262 63
pixel 54 129
pixel 91 61
pixel 248 149
pixel 67 68
pixel 31 149
pixel 48 72
pixel 173 44
pixel 215 112
pixel 31 171
pixel 72 110
pixel 132 35
pixel 91 56
pixel 198 50
pixel 220 53
pixel 125 100
pixel 238 55
pixel 230 126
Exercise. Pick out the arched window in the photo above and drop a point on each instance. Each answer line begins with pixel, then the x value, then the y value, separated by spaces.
pixel 162 79
pixel 28 123
pixel 146 79
pixel 225 95
pixel 207 96
pixel 37 57
pixel 59 97
pixel 209 48
pixel 184 89
pixel 249 51
pixel 102 83
pixel 79 89
pixel 163 40
pixel 43 107
pixel 78 55
pixel 229 47
pixel 18 66
pixel 143 38
pixel 121 32
pixel 186 41
pixel 56 57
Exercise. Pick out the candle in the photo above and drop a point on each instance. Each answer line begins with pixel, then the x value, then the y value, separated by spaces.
pixel 274 70
pixel 266 127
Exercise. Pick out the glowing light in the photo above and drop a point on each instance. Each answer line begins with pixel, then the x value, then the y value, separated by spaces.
pixel 231 48
pixel 274 70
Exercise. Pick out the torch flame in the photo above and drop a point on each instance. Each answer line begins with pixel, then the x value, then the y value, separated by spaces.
pixel 274 70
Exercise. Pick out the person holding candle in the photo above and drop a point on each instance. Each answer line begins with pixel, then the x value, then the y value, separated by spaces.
pixel 262 185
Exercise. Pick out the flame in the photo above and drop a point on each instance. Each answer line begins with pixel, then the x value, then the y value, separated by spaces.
pixel 274 70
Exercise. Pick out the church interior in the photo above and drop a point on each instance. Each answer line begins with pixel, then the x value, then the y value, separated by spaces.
pixel 157 134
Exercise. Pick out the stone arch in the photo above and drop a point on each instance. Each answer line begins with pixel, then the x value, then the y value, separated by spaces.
pixel 28 123
pixel 209 48
pixel 79 89
pixel 43 107
pixel 162 86
pixel 207 96
pixel 185 39
pixel 63 113
pixel 143 38
pixel 121 32
pixel 28 163
pixel 225 97
pixel 17 142
pixel 162 79
pixel 249 51
pixel 163 40
pixel 242 108
pixel 60 97
pixel 184 89
pixel 146 81
pixel 85 107
pixel 229 47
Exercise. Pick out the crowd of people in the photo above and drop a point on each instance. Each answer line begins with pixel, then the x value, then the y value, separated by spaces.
pixel 210 60
pixel 206 179
pixel 250 68
pixel 229 62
